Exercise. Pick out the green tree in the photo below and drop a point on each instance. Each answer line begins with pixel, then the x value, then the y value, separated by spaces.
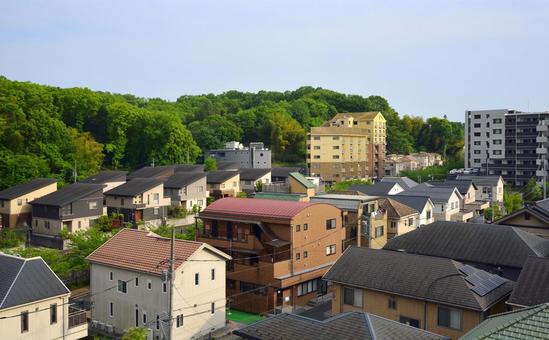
pixel 344 185
pixel 532 191
pixel 210 164
pixel 135 333
pixel 512 201
pixel 214 131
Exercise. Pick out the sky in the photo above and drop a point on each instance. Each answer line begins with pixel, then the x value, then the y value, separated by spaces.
pixel 427 57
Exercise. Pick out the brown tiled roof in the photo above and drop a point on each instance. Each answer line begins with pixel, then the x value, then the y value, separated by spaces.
pixel 142 251
pixel 254 208
pixel 396 208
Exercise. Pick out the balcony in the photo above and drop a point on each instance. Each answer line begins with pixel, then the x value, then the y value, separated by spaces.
pixel 541 161
pixel 77 317
pixel 541 151
pixel 541 139
pixel 236 237
pixel 541 173
pixel 542 126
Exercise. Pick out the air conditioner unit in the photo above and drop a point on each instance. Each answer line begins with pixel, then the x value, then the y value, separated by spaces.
pixel 109 328
pixel 101 325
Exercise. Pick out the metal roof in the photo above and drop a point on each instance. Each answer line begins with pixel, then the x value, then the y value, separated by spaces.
pixel 25 188
pixel 302 180
pixel 182 179
pixel 220 176
pixel 255 208
pixel 106 176
pixel 253 174
pixel 69 193
pixel 134 187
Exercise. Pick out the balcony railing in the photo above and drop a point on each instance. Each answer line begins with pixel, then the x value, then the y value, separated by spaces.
pixel 236 237
pixel 77 317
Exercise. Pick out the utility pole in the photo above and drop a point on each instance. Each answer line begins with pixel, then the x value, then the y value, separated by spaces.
pixel 75 175
pixel 171 276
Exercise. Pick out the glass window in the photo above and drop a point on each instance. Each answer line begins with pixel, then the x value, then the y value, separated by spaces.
pixel 352 296
pixel 53 313
pixel 305 254
pixel 179 320
pixel 331 223
pixel 111 309
pixel 409 321
pixel 122 286
pixel 149 284
pixel 24 321
pixel 212 308
pixel 156 197
pixel 213 274
pixel 297 256
pixel 392 304
pixel 379 231
pixel 92 205
pixel 305 226
pixel 331 249
pixel 196 279
pixel 20 202
pixel 450 318
pixel 297 228
pixel 111 276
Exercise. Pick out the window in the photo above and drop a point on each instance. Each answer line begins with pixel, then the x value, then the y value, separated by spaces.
pixel 497 120
pixel 379 231
pixel 136 281
pixel 121 201
pixel 409 321
pixel 336 147
pixel 307 287
pixel 179 320
pixel 92 205
pixel 316 137
pixel 497 141
pixel 335 138
pixel 53 313
pixel 111 275
pixel 212 276
pixel 331 250
pixel 497 131
pixel 477 160
pixel 392 303
pixel 155 211
pixel 234 184
pixel 196 279
pixel 330 224
pixel 212 308
pixel 477 134
pixel 144 317
pixel 305 226
pixel 201 189
pixel 122 286
pixel 526 216
pixel 298 256
pixel 157 321
pixel 20 202
pixel 335 156
pixel 156 197
pixel 297 228
pixel 164 287
pixel 450 318
pixel 149 284
pixel 352 296
pixel 111 309
pixel 136 318
pixel 316 156
pixel 79 224
pixel 200 203
pixel 316 147
pixel 410 221
pixel 305 254
pixel 393 224
pixel 476 143
pixel 497 152
pixel 231 284
pixel 24 321
pixel 476 152
pixel 477 125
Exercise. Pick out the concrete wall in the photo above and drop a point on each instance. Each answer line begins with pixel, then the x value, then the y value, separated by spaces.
pixel 39 323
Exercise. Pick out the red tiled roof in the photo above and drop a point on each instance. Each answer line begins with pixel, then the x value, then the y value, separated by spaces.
pixel 142 251
pixel 251 207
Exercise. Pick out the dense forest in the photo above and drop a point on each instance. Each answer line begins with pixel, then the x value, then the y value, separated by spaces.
pixel 49 131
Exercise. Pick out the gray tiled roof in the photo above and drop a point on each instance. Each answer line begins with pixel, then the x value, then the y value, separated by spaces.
pixel 152 172
pixel 25 188
pixel 134 187
pixel 405 182
pixel 462 185
pixel 380 188
pixel 523 324
pixel 283 171
pixel 69 193
pixel 396 208
pixel 26 280
pixel 532 287
pixel 496 245
pixel 543 204
pixel 182 179
pixel 228 165
pixel 106 176
pixel 220 176
pixel 189 168
pixel 437 194
pixel 344 326
pixel 480 180
pixel 416 202
pixel 253 174
pixel 415 276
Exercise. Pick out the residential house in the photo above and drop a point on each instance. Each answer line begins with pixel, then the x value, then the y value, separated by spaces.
pixel 130 286
pixel 422 204
pixel 502 250
pixel 378 189
pixel 73 207
pixel 395 164
pixel 15 210
pixel 296 183
pixel 34 302
pixel 405 182
pixel 437 294
pixel 532 287
pixel 350 145
pixel 110 179
pixel 344 326
pixel 447 201
pixel 364 222
pixel 251 178
pixel 533 218
pixel 530 323
pixel 400 217
pixel 256 155
pixel 427 159
pixel 152 172
pixel 469 205
pixel 281 173
pixel 280 249
pixel 223 183
pixel 187 189
pixel 140 200
pixel 228 166
pixel 489 188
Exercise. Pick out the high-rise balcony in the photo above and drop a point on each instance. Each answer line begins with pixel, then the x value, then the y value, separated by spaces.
pixel 542 126
pixel 541 173
pixel 541 151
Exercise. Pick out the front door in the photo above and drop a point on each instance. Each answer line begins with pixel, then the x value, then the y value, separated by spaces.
pixel 138 216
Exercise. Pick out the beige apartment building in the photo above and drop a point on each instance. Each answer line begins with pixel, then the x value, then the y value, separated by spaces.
pixel 350 145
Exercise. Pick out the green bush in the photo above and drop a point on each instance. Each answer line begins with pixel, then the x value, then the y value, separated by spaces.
pixel 10 238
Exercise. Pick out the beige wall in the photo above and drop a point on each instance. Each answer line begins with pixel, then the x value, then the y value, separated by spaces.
pixel 112 185
pixel 39 322
pixel 232 183
pixel 146 198
pixel 378 303
pixel 402 224
pixel 266 179
pixel 13 208
pixel 155 301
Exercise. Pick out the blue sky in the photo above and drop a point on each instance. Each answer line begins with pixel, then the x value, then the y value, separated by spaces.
pixel 427 58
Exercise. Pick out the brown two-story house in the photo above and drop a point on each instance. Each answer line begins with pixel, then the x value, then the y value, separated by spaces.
pixel 280 249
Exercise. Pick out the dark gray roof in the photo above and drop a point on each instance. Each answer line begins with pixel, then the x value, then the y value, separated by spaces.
pixel 435 193
pixel 463 186
pixel 377 189
pixel 284 171
pixel 228 165
pixel 480 180
pixel 182 179
pixel 152 172
pixel 495 245
pixel 543 204
pixel 189 168
pixel 220 176
pixel 106 176
pixel 69 193
pixel 344 326
pixel 416 202
pixel 134 187
pixel 532 287
pixel 247 174
pixel 25 188
pixel 416 276
pixel 27 280
pixel 405 182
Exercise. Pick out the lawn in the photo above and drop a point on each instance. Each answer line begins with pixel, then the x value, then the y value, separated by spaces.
pixel 242 317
